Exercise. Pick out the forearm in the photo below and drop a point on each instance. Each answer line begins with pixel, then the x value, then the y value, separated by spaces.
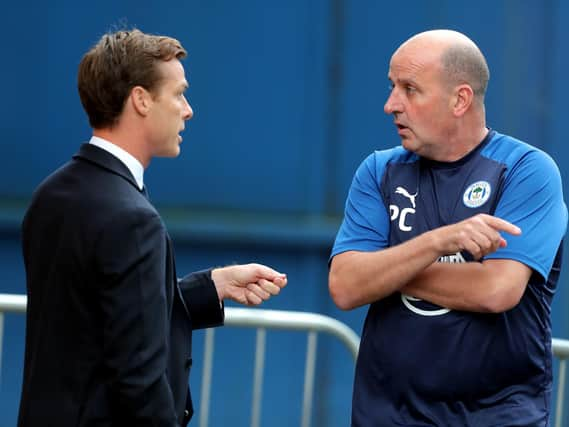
pixel 488 287
pixel 359 278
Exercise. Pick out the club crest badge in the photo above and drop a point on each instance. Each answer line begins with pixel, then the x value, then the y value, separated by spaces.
pixel 477 194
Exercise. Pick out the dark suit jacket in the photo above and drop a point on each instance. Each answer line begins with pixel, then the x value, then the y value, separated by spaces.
pixel 108 334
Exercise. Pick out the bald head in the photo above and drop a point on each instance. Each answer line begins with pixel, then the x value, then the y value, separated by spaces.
pixel 438 79
pixel 461 61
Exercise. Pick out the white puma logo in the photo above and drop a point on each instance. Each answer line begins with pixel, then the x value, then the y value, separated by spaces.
pixel 405 193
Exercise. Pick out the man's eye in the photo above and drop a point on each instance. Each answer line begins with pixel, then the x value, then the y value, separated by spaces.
pixel 409 89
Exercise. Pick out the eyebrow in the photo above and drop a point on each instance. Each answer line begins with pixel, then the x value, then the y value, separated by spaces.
pixel 404 81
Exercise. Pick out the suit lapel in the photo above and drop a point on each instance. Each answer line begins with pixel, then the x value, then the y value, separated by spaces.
pixel 96 155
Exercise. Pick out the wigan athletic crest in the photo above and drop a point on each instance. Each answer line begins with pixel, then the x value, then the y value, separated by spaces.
pixel 477 194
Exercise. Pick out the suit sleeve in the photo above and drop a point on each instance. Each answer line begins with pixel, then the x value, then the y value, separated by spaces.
pixel 131 254
pixel 200 296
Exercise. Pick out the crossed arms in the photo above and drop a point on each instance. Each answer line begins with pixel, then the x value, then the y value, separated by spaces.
pixel 494 285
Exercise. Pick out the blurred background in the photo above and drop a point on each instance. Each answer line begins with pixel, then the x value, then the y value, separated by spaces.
pixel 288 99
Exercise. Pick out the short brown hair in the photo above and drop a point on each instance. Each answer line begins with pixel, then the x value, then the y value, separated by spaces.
pixel 117 63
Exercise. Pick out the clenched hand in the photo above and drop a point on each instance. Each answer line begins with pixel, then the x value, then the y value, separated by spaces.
pixel 248 284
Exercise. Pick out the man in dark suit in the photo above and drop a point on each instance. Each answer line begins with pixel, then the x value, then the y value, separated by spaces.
pixel 109 325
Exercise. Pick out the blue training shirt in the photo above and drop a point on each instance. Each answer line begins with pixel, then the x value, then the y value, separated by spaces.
pixel 424 365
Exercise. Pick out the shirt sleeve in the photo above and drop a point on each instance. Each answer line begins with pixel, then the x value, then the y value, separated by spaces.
pixel 366 220
pixel 532 199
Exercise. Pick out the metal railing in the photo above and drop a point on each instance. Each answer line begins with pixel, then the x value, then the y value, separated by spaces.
pixel 249 318
pixel 275 319
pixel 284 320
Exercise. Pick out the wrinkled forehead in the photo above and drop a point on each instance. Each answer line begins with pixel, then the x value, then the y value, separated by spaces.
pixel 415 59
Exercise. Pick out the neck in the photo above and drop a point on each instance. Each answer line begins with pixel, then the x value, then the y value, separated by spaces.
pixel 460 147
pixel 467 133
pixel 126 140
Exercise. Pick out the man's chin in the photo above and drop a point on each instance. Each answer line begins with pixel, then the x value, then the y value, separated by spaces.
pixel 408 143
pixel 174 152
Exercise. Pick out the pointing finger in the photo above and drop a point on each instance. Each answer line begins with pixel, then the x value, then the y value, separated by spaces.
pixel 502 225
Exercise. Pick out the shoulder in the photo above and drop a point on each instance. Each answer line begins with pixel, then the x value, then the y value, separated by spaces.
pixel 129 228
pixel 392 155
pixel 377 162
pixel 515 154
pixel 84 194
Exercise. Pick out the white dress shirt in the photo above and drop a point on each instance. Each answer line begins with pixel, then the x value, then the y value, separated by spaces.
pixel 133 165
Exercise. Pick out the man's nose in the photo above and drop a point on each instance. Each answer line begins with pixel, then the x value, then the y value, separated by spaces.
pixel 392 105
pixel 189 112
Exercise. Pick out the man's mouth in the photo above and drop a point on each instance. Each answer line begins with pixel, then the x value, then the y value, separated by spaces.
pixel 401 129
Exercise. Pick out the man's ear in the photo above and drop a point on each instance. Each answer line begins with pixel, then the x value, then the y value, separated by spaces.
pixel 463 98
pixel 141 100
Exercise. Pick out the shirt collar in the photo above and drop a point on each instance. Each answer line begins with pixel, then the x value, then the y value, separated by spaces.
pixel 133 165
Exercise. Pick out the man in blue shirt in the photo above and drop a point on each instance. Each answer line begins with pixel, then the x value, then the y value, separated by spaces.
pixel 454 240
